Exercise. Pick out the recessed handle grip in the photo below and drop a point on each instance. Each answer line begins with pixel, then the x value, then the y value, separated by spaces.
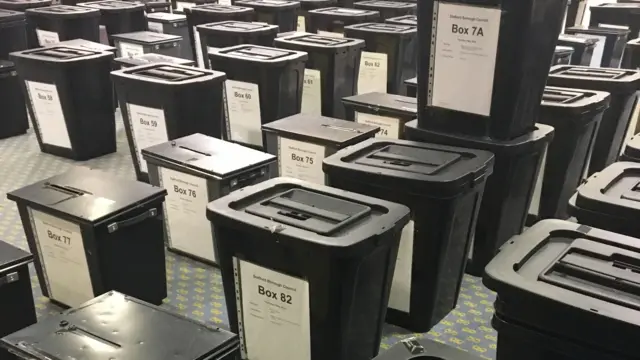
pixel 117 225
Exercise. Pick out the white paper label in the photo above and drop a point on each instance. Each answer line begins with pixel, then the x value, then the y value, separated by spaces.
pixel 187 226
pixel 331 34
pixel 631 129
pixel 243 112
pixel 301 160
pixel 274 310
pixel 47 37
pixel 312 92
pixel 63 258
pixel 181 5
pixel 156 27
pixel 389 126
pixel 130 50
pixel 464 57
pixel 534 207
pixel 372 76
pixel 148 127
pixel 48 114
pixel 400 297
pixel 598 50
pixel 198 45
pixel 564 20
pixel 302 25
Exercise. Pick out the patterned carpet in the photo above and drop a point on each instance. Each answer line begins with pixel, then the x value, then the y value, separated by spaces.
pixel 195 289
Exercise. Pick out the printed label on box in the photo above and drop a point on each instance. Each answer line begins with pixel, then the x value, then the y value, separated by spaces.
pixel 372 76
pixel 598 50
pixel 301 160
pixel 331 34
pixel 302 25
pixel 187 226
pixel 273 313
pixel 148 127
pixel 631 128
pixel 198 45
pixel 312 92
pixel 48 113
pixel 400 297
pixel 64 261
pixel 181 5
pixel 464 57
pixel 389 126
pixel 534 208
pixel 47 37
pixel 243 112
pixel 130 50
pixel 156 27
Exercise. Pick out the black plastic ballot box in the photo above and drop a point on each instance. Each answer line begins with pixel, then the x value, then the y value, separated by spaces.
pixel 583 47
pixel 13 35
pixel 18 310
pixel 283 13
pixel 308 5
pixel 412 86
pixel 575 115
pixel 558 285
pixel 403 20
pixel 632 150
pixel 162 102
pixel 387 111
pixel 118 16
pixel 196 170
pixel 388 9
pixel 14 112
pixel 52 24
pixel 621 15
pixel 331 71
pixel 631 57
pixel 23 5
pixel 264 84
pixel 210 13
pixel 619 121
pixel 174 24
pixel 389 56
pixel 443 187
pixel 144 42
pixel 61 97
pixel 480 78
pixel 313 254
pixel 417 348
pixel 509 190
pixel 302 141
pixel 609 199
pixel 93 46
pixel 614 39
pixel 89 232
pixel 119 326
pixel 224 34
pixel 332 20
pixel 562 55
pixel 151 58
